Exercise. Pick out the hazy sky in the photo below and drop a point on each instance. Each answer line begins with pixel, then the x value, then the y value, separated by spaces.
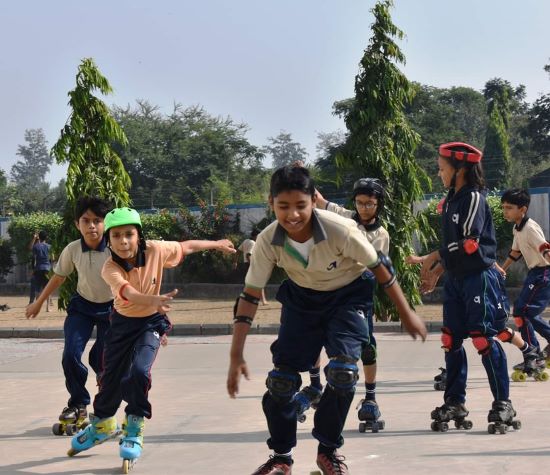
pixel 275 65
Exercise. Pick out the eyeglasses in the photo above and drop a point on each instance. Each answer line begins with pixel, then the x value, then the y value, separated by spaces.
pixel 368 205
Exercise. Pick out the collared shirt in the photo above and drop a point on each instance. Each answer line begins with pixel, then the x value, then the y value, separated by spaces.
pixel 88 264
pixel 146 279
pixel 340 254
pixel 246 247
pixel 527 239
pixel 377 234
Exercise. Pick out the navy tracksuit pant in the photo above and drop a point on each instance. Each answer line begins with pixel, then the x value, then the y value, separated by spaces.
pixel 475 304
pixel 532 301
pixel 311 320
pixel 131 345
pixel 82 317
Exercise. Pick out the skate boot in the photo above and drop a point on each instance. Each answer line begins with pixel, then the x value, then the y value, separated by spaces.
pixel 369 414
pixel 501 417
pixel 71 420
pixel 308 396
pixel 331 464
pixel 450 411
pixel 546 355
pixel 97 432
pixel 440 380
pixel 131 443
pixel 275 466
pixel 533 365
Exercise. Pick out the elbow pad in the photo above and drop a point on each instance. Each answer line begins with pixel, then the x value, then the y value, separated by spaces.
pixel 470 246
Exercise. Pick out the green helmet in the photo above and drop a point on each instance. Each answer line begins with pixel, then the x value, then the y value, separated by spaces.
pixel 122 217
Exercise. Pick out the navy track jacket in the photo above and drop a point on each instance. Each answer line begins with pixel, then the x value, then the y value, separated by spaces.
pixel 466 215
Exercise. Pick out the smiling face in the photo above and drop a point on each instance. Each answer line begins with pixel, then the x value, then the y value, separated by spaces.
pixel 446 172
pixel 293 210
pixel 124 241
pixel 91 228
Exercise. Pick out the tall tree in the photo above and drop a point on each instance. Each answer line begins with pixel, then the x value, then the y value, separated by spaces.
pixel 539 124
pixel 381 144
pixel 284 150
pixel 86 144
pixel 499 95
pixel 29 173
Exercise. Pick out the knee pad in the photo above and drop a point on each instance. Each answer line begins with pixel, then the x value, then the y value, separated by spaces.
pixel 368 355
pixel 481 343
pixel 446 339
pixel 342 374
pixel 282 384
pixel 506 335
pixel 519 321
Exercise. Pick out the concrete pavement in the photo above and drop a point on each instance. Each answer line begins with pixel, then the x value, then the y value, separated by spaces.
pixel 196 429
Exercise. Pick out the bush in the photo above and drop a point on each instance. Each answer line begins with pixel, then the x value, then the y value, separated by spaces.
pixel 6 259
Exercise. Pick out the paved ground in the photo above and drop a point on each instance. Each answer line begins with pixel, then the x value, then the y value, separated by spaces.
pixel 196 429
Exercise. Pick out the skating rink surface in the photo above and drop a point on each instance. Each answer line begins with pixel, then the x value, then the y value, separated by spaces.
pixel 197 429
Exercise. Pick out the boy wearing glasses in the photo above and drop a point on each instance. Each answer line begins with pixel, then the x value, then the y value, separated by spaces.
pixel 368 200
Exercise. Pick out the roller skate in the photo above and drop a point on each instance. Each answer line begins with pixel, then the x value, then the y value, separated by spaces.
pixel 440 380
pixel 275 466
pixel 456 412
pixel 332 464
pixel 546 355
pixel 533 365
pixel 369 414
pixel 131 443
pixel 97 432
pixel 501 416
pixel 308 396
pixel 71 420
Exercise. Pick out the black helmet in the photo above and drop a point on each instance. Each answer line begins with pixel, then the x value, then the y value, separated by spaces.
pixel 371 187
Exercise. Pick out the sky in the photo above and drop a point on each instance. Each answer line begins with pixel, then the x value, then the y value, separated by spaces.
pixel 272 64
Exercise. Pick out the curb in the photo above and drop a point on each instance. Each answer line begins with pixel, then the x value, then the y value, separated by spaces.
pixel 206 329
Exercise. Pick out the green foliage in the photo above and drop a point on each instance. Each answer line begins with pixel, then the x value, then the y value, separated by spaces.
pixel 381 144
pixel 86 144
pixel 22 229
pixel 173 159
pixel 162 226
pixel 284 151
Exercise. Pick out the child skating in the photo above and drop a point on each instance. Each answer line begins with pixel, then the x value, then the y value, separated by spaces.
pixel 138 323
pixel 368 201
pixel 474 304
pixel 323 305
pixel 90 307
pixel 529 242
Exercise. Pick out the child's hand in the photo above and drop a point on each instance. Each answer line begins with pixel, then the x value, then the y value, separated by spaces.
pixel 500 270
pixel 225 246
pixel 164 340
pixel 33 309
pixel 414 325
pixel 162 301
pixel 428 282
pixel 412 259
pixel 237 367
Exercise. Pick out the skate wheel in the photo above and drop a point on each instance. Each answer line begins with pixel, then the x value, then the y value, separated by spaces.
pixel 70 429
pixel 522 377
pixel 543 376
pixel 362 427
pixel 57 429
pixel 467 425
pixel 375 428
pixel 516 425
pixel 435 426
pixel 515 377
pixel 503 429
pixel 72 452
pixel 302 418
pixel 125 466
pixel 491 429
pixel 381 425
pixel 444 427
pixel 548 363
pixel 315 473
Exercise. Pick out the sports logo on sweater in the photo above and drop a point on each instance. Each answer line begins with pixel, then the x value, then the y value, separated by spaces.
pixel 477 299
pixel 455 218
pixel 332 265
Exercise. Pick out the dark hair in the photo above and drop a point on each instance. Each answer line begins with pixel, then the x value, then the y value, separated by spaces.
pixel 370 187
pixel 42 235
pixel 473 175
pixel 516 196
pixel 96 205
pixel 290 178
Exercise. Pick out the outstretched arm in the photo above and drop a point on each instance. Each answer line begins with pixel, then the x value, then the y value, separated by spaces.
pixel 222 245
pixel 53 284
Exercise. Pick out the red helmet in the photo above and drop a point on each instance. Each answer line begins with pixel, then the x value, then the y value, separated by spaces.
pixel 460 151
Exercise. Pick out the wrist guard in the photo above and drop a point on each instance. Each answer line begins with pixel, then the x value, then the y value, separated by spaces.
pixel 243 319
pixel 515 259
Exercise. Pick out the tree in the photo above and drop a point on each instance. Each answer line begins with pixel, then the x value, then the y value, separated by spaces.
pixel 29 173
pixel 86 144
pixel 284 151
pixel 381 144
pixel 538 126
pixel 188 154
pixel 325 171
pixel 501 100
